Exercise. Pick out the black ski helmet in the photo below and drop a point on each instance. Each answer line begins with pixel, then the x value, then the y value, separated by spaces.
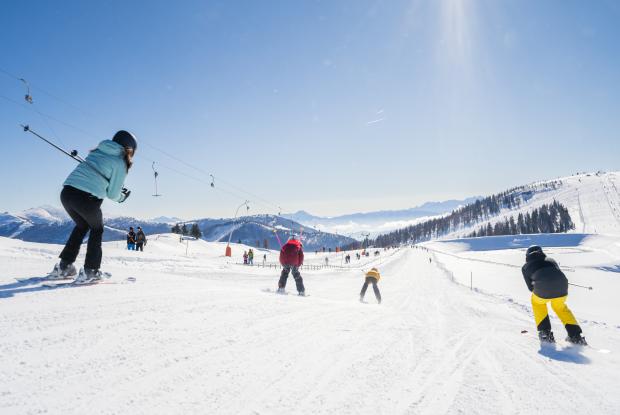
pixel 532 250
pixel 126 139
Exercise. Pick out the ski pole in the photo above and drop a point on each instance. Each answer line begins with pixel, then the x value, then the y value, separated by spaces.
pixel 73 154
pixel 278 238
pixel 580 286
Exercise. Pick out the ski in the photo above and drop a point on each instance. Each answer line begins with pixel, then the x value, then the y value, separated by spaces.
pixel 272 291
pixel 74 284
pixel 35 280
pixel 566 345
pixel 106 275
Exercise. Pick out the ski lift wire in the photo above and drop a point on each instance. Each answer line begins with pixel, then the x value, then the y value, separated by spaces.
pixel 212 184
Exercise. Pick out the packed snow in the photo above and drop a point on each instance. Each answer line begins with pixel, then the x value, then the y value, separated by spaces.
pixel 196 333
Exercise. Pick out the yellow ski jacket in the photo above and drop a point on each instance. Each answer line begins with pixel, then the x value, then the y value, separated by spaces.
pixel 374 273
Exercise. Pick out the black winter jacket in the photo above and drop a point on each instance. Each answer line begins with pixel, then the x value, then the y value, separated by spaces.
pixel 544 277
pixel 140 237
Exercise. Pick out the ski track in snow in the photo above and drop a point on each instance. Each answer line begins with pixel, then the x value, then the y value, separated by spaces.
pixel 197 335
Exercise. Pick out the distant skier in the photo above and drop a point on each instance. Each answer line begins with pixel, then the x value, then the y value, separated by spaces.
pixel 372 277
pixel 131 239
pixel 291 258
pixel 251 257
pixel 245 258
pixel 140 240
pixel 548 284
pixel 101 175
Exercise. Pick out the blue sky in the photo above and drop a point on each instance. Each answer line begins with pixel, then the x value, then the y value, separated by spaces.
pixel 326 106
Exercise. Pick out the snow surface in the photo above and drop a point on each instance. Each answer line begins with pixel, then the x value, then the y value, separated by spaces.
pixel 196 334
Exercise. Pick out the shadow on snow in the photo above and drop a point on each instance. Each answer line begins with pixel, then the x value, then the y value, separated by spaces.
pixel 568 354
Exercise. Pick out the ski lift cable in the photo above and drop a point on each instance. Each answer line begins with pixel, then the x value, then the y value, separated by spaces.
pixel 264 201
pixel 35 87
pixel 189 176
pixel 28 96
pixel 248 193
pixel 41 115
pixel 213 177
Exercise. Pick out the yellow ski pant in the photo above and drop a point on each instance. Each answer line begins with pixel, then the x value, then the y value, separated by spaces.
pixel 541 315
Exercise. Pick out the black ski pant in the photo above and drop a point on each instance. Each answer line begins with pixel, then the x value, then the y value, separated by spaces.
pixel 286 269
pixel 85 210
pixel 140 246
pixel 373 281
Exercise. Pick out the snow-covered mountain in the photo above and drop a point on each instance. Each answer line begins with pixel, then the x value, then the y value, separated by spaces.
pixel 50 225
pixel 255 230
pixel 171 220
pixel 592 199
pixel 378 221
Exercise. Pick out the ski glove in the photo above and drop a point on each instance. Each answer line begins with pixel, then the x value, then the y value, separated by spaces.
pixel 124 194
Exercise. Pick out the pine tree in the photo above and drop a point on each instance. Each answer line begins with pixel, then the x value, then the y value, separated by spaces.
pixel 184 229
pixel 195 231
pixel 521 224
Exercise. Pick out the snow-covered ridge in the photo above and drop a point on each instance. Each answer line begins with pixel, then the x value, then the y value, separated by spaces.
pixel 592 199
pixel 379 221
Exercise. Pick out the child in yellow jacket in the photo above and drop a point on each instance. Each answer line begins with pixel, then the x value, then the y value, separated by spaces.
pixel 372 277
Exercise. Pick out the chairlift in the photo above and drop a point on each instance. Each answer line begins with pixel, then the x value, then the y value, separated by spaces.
pixel 212 180
pixel 155 174
pixel 27 97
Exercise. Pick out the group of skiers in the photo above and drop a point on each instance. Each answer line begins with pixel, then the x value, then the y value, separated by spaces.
pixel 103 173
pixel 136 241
pixel 248 257
pixel 292 258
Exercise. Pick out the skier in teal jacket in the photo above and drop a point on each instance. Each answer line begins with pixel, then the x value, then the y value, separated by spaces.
pixel 101 175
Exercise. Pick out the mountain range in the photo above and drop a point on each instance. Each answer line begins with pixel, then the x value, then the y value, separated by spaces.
pixel 377 222
pixel 50 224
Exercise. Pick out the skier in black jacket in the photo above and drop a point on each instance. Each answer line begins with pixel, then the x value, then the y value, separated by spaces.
pixel 140 239
pixel 548 284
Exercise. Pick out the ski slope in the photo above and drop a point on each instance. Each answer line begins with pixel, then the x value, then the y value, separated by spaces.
pixel 196 334
pixel 592 200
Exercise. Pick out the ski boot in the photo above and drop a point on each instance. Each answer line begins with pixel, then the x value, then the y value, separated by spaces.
pixel 88 276
pixel 577 340
pixel 280 290
pixel 546 336
pixel 362 299
pixel 61 271
pixel 301 293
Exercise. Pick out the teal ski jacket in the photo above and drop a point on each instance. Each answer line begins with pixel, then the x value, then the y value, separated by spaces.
pixel 103 173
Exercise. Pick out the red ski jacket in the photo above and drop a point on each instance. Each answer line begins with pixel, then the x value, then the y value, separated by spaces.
pixel 292 253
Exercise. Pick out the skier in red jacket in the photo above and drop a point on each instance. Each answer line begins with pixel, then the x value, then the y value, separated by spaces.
pixel 291 258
